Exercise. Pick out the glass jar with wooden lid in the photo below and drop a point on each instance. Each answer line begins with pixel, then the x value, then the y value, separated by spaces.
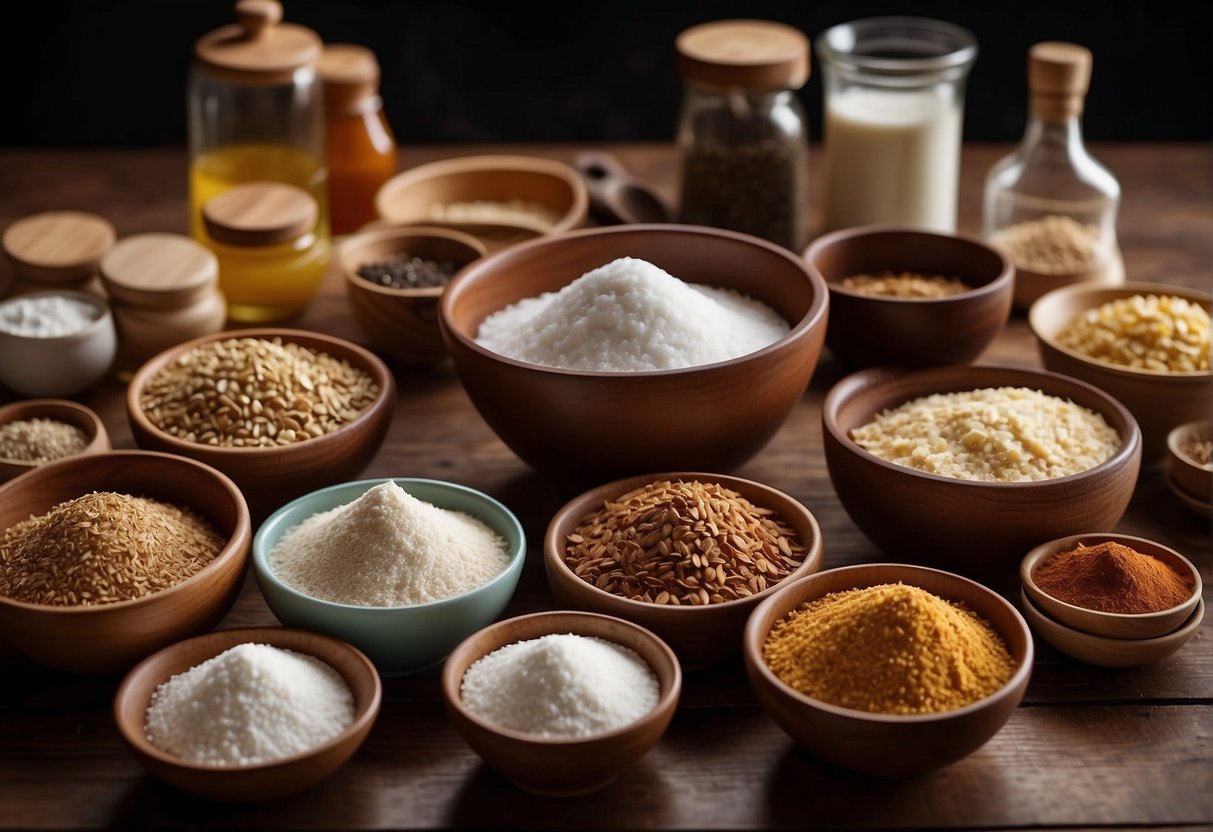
pixel 56 249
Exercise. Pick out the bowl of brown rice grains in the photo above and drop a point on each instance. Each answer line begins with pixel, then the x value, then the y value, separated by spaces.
pixel 34 432
pixel 968 467
pixel 403 569
pixel 105 558
pixel 888 669
pixel 1147 344
pixel 280 411
pixel 908 297
pixel 687 555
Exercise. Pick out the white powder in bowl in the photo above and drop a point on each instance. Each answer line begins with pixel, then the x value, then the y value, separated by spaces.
pixel 631 316
pixel 46 316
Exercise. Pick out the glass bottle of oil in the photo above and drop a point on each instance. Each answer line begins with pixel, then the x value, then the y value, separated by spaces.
pixel 256 113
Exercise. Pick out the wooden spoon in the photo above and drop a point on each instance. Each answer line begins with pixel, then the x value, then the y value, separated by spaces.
pixel 615 195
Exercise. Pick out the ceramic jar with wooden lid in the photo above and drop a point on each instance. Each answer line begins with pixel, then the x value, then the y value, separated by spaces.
pixel 163 289
pixel 271 250
pixel 57 250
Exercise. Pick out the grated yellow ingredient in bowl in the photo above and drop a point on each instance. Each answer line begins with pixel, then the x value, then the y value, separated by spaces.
pixel 1162 333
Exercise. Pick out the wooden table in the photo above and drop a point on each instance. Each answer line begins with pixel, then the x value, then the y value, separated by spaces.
pixel 1089 747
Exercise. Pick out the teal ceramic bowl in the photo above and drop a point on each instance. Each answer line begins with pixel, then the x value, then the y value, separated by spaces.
pixel 399 640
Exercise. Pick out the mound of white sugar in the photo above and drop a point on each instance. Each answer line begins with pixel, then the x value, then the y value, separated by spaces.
pixel 248 705
pixel 388 549
pixel 630 316
pixel 560 685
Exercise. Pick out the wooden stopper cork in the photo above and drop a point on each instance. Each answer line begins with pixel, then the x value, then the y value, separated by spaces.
pixel 259 48
pixel 753 54
pixel 260 214
pixel 1058 76
pixel 350 74
pixel 158 270
pixel 59 247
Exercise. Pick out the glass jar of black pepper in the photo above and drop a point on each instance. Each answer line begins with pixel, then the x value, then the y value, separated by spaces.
pixel 743 132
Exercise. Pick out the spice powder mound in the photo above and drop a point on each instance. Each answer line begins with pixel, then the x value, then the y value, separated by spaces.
pixel 1112 577
pixel 684 542
pixel 102 548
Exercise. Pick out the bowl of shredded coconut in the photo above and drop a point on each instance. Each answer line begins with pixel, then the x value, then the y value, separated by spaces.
pixel 613 351
pixel 402 568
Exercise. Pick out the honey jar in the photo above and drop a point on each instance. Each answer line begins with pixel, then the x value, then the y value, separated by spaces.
pixel 56 250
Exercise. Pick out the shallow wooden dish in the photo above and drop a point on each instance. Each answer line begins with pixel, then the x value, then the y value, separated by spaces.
pixel 115 636
pixel 699 635
pixel 1185 473
pixel 1111 625
pixel 556 766
pixel 888 744
pixel 1158 401
pixel 1109 652
pixel 866 330
pixel 272 476
pixel 402 324
pixel 976 528
pixel 256 782
pixel 589 427
pixel 61 410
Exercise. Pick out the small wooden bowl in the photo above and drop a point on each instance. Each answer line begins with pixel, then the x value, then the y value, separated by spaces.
pixel 1158 401
pixel 971 527
pixel 272 476
pixel 867 330
pixel 699 635
pixel 1186 474
pixel 888 744
pixel 1109 652
pixel 562 766
pixel 402 324
pixel 1111 625
pixel 409 198
pixel 115 636
pixel 61 410
pixel 254 782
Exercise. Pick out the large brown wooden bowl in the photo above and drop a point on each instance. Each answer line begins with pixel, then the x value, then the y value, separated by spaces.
pixel 594 426
pixel 867 330
pixel 1158 400
pixel 264 781
pixel 562 766
pixel 976 528
pixel 59 410
pixel 115 636
pixel 271 476
pixel 699 635
pixel 888 744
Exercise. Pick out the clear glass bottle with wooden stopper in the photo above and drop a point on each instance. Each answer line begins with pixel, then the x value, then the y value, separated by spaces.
pixel 361 147
pixel 57 250
pixel 1050 205
pixel 163 289
pixel 742 129
pixel 271 253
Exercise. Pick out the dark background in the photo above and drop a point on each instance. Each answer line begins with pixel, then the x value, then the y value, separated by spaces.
pixel 113 72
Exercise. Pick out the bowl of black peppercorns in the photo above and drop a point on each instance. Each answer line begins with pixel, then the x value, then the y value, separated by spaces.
pixel 394 277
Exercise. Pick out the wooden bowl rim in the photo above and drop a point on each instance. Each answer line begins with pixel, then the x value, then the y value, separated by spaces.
pixel 374 235
pixel 667 700
pixel 48 408
pixel 132 685
pixel 1181 633
pixel 103 321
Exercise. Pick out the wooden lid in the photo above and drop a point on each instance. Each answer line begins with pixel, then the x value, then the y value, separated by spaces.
pixel 1058 76
pixel 157 269
pixel 260 214
pixel 350 74
pixel 58 246
pixel 260 48
pixel 755 54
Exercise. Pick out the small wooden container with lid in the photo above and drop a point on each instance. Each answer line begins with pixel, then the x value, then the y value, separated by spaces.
pixel 163 290
pixel 57 249
pixel 271 253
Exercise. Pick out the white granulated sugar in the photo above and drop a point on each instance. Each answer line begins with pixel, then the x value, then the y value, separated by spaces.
pixel 560 686
pixel 251 704
pixel 630 316
pixel 388 549
pixel 46 316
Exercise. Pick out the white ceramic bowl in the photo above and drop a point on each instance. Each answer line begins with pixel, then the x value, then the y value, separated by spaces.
pixel 52 367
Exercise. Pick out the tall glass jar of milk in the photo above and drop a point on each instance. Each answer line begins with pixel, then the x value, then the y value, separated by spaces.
pixel 894 103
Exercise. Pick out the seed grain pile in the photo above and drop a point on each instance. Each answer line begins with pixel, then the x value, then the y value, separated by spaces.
pixel 1053 244
pixel 517 212
pixel 994 434
pixel 891 649
pixel 631 316
pixel 102 548
pixel 1163 333
pixel 405 272
pixel 683 542
pixel 905 285
pixel 1198 450
pixel 251 704
pixel 40 440
pixel 388 549
pixel 560 686
pixel 256 392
